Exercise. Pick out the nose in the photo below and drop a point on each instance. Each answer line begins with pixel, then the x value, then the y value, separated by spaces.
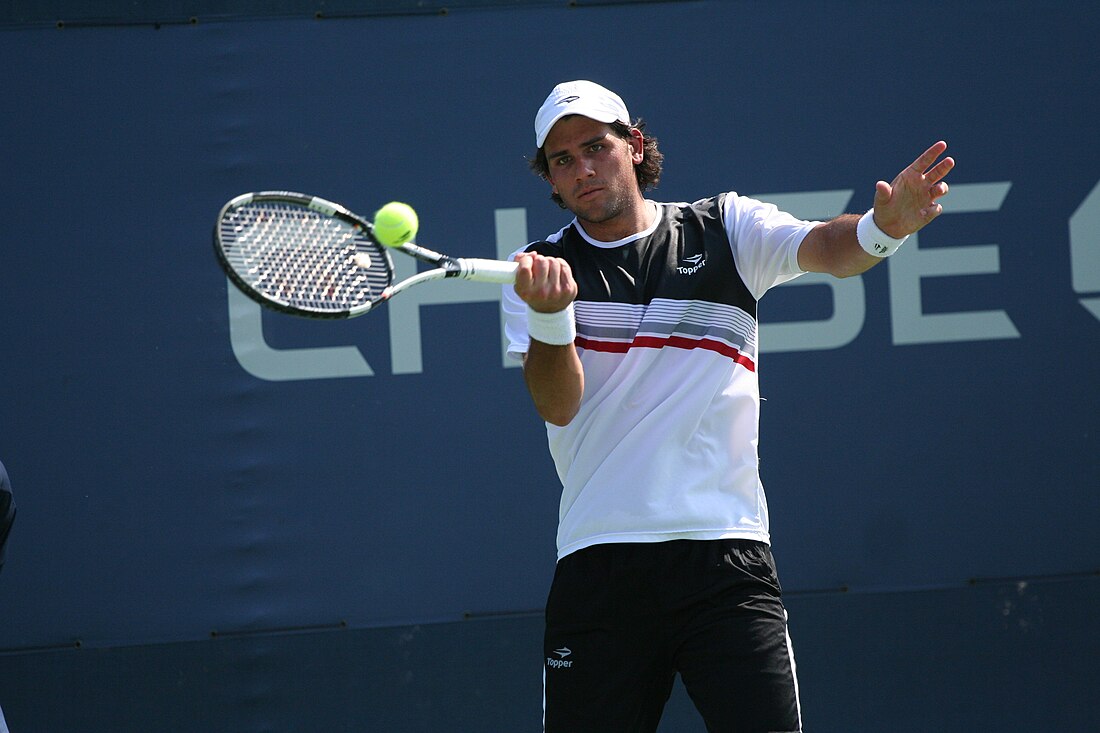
pixel 585 169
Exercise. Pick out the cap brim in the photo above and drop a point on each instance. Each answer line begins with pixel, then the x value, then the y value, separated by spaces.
pixel 606 117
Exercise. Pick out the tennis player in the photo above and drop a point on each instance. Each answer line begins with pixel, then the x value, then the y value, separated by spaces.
pixel 637 326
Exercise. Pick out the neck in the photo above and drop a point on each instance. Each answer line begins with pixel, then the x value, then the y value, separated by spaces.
pixel 636 218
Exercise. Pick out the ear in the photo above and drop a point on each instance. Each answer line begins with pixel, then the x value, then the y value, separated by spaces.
pixel 637 145
pixel 550 181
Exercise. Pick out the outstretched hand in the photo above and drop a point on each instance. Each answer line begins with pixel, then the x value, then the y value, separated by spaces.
pixel 909 203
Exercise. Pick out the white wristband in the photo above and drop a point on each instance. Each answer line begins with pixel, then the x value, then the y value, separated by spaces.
pixel 873 239
pixel 557 329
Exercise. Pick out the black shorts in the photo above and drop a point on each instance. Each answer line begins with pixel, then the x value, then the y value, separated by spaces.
pixel 623 619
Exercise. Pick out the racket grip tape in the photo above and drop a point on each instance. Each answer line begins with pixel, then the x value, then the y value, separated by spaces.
pixel 487 271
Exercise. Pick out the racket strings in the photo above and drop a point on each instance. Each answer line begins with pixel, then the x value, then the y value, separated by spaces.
pixel 302 258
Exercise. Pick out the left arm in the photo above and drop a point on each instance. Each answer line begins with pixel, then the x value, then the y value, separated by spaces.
pixel 901 208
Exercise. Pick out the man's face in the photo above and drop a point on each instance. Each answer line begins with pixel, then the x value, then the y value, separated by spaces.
pixel 592 169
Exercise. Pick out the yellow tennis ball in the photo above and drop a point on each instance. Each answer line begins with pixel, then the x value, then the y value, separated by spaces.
pixel 395 223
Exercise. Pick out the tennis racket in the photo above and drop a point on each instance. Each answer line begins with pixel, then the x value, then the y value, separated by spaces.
pixel 310 257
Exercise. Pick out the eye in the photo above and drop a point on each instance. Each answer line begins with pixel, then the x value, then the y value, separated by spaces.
pixel 563 160
pixel 596 147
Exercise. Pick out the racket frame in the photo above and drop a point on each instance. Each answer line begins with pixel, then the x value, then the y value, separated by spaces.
pixel 482 270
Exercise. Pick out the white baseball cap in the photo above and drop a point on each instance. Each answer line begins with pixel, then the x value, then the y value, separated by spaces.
pixel 579 98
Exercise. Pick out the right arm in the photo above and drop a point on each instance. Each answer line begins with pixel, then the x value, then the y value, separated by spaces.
pixel 553 373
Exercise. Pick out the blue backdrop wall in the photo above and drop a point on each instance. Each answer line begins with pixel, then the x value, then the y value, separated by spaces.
pixel 216 528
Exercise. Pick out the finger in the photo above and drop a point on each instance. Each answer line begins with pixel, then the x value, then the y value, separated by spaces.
pixel 928 157
pixel 883 193
pixel 531 280
pixel 540 266
pixel 527 274
pixel 940 189
pixel 931 212
pixel 940 170
pixel 523 263
pixel 565 279
pixel 564 273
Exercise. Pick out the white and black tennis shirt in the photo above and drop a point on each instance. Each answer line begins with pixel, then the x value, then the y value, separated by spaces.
pixel 665 443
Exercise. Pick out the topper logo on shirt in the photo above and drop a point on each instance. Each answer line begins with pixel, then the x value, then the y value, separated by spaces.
pixel 695 263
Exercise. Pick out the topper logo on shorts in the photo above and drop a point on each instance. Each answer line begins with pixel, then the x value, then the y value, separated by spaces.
pixel 562 662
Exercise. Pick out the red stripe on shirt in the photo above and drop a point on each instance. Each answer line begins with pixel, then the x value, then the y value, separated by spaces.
pixel 658 342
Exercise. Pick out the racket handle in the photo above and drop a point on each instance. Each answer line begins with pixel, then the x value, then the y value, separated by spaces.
pixel 487 271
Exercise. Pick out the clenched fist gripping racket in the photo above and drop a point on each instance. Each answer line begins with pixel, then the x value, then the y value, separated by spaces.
pixel 310 257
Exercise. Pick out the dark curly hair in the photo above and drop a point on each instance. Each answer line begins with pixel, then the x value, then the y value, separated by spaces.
pixel 648 172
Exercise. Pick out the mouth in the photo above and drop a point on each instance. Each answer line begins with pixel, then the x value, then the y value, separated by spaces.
pixel 588 193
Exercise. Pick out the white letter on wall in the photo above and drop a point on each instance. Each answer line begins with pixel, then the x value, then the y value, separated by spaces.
pixel 911 325
pixel 849 302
